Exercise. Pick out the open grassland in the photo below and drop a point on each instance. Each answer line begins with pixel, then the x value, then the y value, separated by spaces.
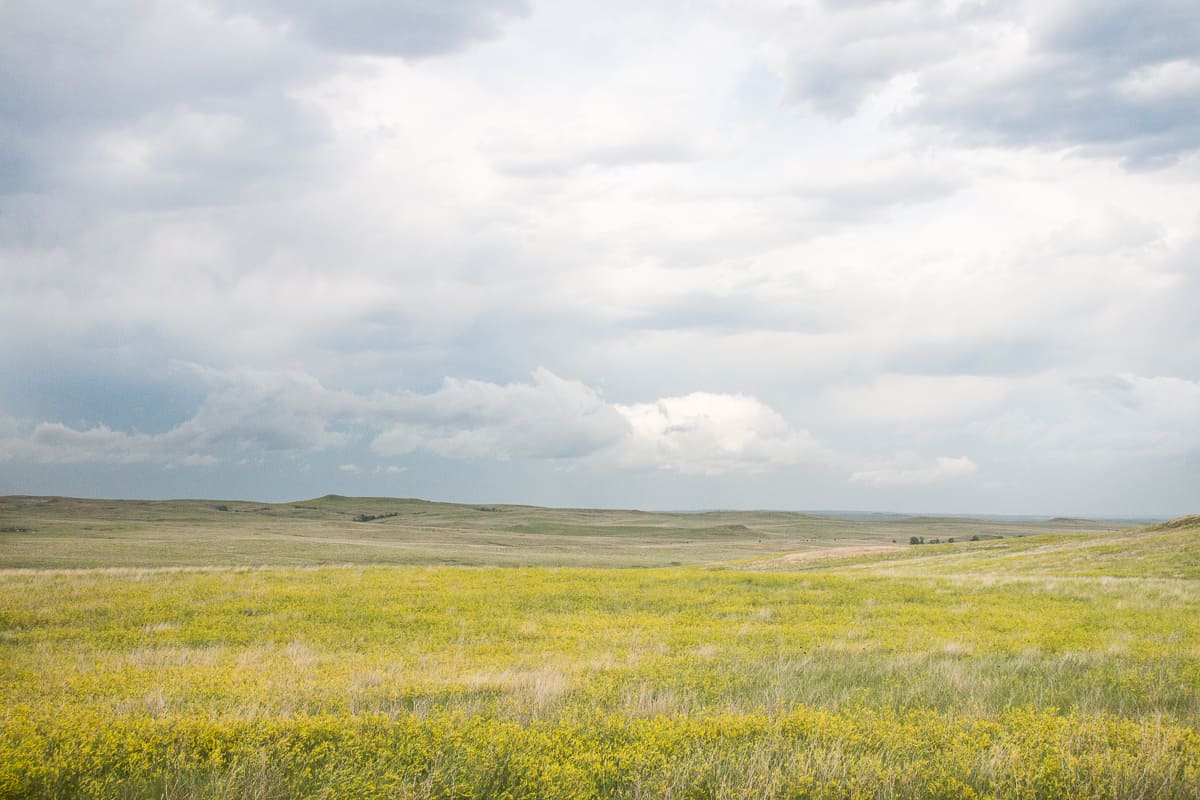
pixel 1165 550
pixel 58 532
pixel 984 669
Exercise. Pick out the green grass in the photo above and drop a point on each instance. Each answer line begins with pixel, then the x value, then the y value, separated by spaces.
pixel 355 640
pixel 65 533
pixel 1038 666
pixel 1166 550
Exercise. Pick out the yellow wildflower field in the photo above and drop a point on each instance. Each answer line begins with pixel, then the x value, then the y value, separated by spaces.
pixel 834 681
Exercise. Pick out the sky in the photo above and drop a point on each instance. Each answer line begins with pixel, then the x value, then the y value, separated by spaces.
pixel 898 256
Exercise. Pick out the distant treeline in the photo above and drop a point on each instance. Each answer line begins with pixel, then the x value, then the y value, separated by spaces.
pixel 370 517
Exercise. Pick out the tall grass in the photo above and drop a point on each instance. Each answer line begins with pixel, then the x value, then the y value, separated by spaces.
pixel 802 754
pixel 545 682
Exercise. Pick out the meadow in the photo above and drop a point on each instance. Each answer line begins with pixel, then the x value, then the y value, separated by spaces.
pixel 61 532
pixel 1039 665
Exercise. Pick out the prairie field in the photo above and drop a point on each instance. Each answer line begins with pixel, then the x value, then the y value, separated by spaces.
pixel 180 651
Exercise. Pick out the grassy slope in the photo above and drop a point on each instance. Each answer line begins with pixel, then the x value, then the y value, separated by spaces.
pixel 1166 550
pixel 54 532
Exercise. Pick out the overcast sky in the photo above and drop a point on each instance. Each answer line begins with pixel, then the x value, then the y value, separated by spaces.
pixel 910 256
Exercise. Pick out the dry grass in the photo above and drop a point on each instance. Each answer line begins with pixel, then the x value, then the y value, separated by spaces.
pixel 64 533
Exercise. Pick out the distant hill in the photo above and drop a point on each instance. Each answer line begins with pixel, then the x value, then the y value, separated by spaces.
pixel 62 532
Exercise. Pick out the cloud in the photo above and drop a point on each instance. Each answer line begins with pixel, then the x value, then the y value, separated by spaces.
pixel 712 434
pixel 908 469
pixel 268 411
pixel 912 398
pixel 197 460
pixel 1115 78
pixel 406 28
pixel 195 103
pixel 894 226
pixel 138 99
pixel 1111 79
pixel 243 410
pixel 837 58
pixel 551 418
pixel 55 443
pixel 1101 420
pixel 52 442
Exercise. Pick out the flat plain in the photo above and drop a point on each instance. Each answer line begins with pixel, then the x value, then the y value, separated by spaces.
pixel 224 649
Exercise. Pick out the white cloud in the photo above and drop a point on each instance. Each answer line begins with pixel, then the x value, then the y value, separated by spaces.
pixel 53 442
pixel 836 56
pixel 1101 420
pixel 1162 81
pixel 197 460
pixel 908 469
pixel 910 398
pixel 396 28
pixel 266 410
pixel 243 410
pixel 1115 78
pixel 711 434
pixel 552 418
